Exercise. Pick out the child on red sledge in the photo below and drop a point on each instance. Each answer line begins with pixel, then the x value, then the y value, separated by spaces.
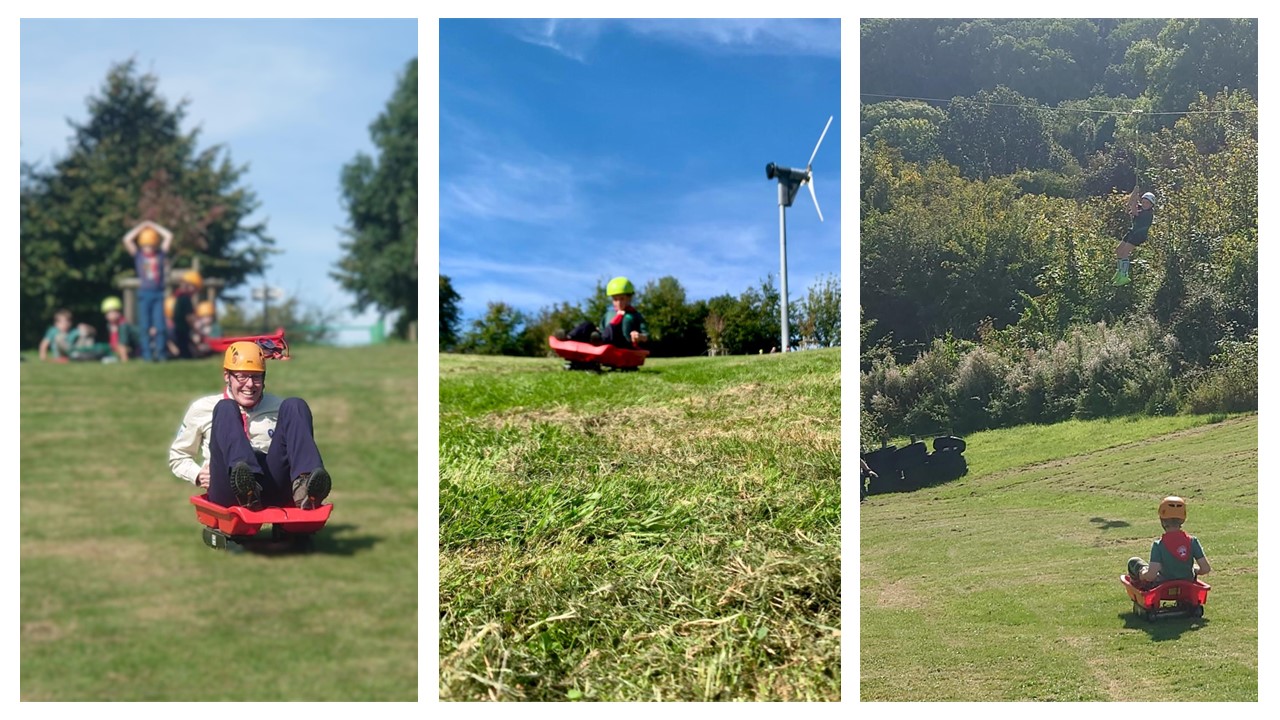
pixel 1175 556
pixel 622 325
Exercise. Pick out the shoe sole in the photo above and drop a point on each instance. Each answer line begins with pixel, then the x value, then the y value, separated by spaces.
pixel 248 492
pixel 318 487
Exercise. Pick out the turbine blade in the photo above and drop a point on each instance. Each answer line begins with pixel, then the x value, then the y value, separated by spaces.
pixel 824 134
pixel 814 195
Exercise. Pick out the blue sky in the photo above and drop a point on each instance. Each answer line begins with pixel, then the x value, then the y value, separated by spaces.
pixel 292 99
pixel 575 150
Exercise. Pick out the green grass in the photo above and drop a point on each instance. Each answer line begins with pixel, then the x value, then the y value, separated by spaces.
pixel 122 601
pixel 1004 585
pixel 668 534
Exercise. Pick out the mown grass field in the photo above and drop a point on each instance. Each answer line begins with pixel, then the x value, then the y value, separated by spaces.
pixel 1004 585
pixel 122 601
pixel 669 534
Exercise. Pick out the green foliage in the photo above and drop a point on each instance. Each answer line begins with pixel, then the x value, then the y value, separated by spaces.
pixel 819 314
pixel 676 327
pixel 380 266
pixel 500 332
pixel 449 313
pixel 1197 56
pixel 561 316
pixel 129 161
pixel 1230 383
pixel 1094 371
pixel 996 132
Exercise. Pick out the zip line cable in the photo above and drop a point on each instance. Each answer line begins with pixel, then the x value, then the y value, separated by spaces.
pixel 1046 108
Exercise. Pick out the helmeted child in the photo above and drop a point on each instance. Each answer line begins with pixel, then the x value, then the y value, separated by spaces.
pixel 206 327
pixel 122 336
pixel 1175 555
pixel 149 253
pixel 1143 213
pixel 622 325
pixel 59 338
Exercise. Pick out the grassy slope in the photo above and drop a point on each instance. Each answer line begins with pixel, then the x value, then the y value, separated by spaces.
pixel 669 534
pixel 1004 585
pixel 122 601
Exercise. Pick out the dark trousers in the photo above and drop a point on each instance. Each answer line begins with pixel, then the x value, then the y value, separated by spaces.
pixel 609 335
pixel 292 452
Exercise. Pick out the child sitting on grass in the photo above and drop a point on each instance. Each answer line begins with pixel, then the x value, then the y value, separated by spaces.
pixel 1176 555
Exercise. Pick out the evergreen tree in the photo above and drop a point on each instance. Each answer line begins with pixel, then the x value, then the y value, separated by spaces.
pixel 129 161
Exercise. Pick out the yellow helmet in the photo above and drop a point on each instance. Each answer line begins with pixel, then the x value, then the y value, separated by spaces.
pixel 192 277
pixel 148 237
pixel 169 302
pixel 1173 507
pixel 111 303
pixel 205 309
pixel 244 356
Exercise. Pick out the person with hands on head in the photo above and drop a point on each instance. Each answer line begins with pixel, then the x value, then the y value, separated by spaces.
pixel 149 244
pixel 257 450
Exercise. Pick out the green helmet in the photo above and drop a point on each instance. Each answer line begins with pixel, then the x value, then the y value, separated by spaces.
pixel 620 286
pixel 111 303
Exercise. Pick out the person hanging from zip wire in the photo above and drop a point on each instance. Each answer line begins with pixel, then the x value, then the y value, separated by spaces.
pixel 1143 212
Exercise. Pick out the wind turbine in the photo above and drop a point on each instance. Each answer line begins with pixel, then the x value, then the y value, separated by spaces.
pixel 789 181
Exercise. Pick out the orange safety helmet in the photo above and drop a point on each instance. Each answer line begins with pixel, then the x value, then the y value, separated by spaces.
pixel 1173 507
pixel 169 302
pixel 148 237
pixel 244 356
pixel 193 278
pixel 205 309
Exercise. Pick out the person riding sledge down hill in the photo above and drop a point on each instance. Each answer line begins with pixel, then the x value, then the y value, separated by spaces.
pixel 1143 213
pixel 622 325
pixel 1175 556
pixel 258 449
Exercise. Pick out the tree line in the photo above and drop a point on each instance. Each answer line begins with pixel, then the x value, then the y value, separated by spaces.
pixel 725 324
pixel 989 225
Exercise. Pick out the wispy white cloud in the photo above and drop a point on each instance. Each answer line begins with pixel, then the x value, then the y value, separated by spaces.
pixel 571 38
pixel 762 37
pixel 575 39
pixel 533 191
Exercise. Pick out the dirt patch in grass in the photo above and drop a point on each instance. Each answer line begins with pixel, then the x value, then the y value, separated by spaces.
pixel 44 631
pixel 900 595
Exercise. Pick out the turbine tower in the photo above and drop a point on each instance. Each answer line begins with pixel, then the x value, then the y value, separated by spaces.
pixel 789 182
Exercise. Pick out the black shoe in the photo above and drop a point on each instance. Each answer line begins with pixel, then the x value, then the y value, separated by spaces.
pixel 310 489
pixel 246 487
pixel 595 337
pixel 560 335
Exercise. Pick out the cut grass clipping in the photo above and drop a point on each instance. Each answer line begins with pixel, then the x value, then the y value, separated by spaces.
pixel 122 601
pixel 668 534
pixel 1005 585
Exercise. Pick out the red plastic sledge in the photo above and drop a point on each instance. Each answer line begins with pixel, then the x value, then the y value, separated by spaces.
pixel 273 346
pixel 609 355
pixel 241 521
pixel 1169 597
